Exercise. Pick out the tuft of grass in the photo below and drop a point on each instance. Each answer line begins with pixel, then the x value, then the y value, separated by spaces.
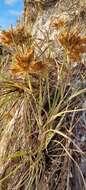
pixel 38 113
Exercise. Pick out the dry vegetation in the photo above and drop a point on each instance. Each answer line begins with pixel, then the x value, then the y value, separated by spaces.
pixel 43 110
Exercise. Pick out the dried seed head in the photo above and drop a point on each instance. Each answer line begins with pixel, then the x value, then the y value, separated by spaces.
pixel 73 43
pixel 58 23
pixel 38 66
pixel 27 64
pixel 17 35
pixel 6 37
pixel 25 60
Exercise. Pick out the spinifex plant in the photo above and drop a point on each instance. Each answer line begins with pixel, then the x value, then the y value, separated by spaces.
pixel 35 107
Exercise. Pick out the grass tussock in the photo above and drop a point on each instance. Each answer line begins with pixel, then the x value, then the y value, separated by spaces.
pixel 40 112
